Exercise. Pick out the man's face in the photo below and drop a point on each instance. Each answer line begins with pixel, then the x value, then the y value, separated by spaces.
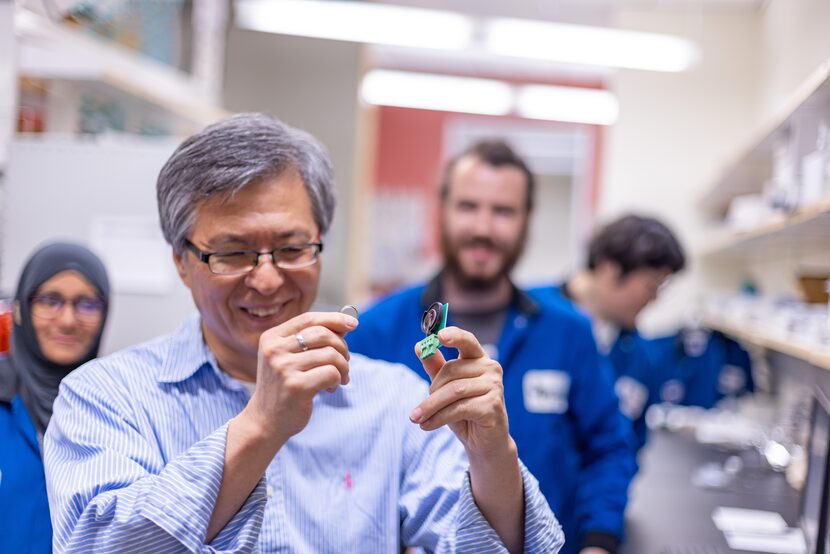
pixel 483 222
pixel 236 309
pixel 621 298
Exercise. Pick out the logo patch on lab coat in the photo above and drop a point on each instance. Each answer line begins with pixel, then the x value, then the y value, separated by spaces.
pixel 633 396
pixel 673 391
pixel 546 391
pixel 732 380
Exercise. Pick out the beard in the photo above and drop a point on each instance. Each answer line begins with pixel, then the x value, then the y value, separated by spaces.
pixel 510 255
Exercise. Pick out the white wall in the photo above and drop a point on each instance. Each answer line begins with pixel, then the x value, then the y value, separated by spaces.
pixel 795 39
pixel 57 188
pixel 549 252
pixel 8 81
pixel 674 130
pixel 311 84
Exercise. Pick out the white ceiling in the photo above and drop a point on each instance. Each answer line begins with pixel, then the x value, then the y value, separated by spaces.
pixel 588 12
pixel 584 12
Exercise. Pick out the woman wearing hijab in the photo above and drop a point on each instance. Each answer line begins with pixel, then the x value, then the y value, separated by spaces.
pixel 59 312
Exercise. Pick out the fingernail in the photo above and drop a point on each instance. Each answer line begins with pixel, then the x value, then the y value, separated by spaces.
pixel 416 415
pixel 351 322
pixel 445 335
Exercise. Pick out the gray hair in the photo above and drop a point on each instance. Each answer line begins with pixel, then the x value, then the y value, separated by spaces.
pixel 225 157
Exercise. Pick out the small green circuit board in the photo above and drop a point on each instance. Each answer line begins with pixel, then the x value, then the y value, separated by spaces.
pixel 433 320
pixel 429 346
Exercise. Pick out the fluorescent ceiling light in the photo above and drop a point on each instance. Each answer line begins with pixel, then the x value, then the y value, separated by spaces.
pixel 358 22
pixel 578 105
pixel 589 45
pixel 426 91
pixel 436 92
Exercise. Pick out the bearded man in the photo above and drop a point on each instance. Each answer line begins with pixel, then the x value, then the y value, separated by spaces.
pixel 563 412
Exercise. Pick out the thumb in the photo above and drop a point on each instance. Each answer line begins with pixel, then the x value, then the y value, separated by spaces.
pixel 433 364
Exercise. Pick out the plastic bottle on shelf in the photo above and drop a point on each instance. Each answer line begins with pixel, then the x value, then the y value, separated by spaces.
pixel 814 169
pixel 782 190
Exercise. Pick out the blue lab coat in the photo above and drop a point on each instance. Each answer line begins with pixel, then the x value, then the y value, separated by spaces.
pixel 638 376
pixel 702 367
pixel 560 401
pixel 24 507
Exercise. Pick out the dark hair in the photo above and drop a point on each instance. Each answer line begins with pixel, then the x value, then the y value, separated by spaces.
pixel 635 242
pixel 496 153
pixel 231 154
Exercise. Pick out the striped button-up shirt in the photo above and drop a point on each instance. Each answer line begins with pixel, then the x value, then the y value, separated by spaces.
pixel 135 449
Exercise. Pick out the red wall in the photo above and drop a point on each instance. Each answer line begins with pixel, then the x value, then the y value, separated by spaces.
pixel 410 155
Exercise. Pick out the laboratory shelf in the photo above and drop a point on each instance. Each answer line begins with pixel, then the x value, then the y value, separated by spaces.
pixel 805 231
pixel 815 355
pixel 50 50
pixel 749 167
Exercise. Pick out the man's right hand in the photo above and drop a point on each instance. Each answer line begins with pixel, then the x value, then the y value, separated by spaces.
pixel 289 377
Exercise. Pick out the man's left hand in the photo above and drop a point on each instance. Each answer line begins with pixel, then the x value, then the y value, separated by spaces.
pixel 468 395
pixel 593 550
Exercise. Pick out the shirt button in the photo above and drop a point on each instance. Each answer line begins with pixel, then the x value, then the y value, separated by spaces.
pixel 269 491
pixel 520 322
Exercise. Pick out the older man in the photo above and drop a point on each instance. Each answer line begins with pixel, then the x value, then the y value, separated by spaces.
pixel 251 427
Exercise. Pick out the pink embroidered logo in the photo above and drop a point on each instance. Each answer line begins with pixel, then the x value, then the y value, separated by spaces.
pixel 348 480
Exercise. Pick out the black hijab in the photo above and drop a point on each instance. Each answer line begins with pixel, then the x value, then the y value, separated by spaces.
pixel 26 371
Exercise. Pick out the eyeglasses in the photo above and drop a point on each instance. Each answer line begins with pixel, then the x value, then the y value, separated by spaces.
pixel 292 256
pixel 49 306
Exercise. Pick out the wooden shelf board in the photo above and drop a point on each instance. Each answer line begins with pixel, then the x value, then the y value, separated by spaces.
pixel 819 357
pixel 802 232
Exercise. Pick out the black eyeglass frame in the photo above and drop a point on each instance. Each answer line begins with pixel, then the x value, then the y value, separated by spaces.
pixel 204 257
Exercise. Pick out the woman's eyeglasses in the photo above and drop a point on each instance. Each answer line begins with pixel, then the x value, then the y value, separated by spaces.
pixel 49 306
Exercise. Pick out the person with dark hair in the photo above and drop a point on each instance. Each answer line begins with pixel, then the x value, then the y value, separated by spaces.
pixel 629 261
pixel 60 308
pixel 563 412
pixel 252 427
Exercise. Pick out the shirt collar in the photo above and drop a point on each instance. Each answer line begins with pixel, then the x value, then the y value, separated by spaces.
pixel 525 304
pixel 187 352
pixel 605 334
